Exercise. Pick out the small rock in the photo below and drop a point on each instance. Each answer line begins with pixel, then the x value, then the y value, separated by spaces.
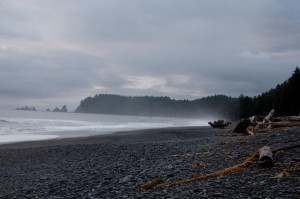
pixel 125 179
pixel 218 194
pixel 169 167
pixel 144 171
pixel 228 186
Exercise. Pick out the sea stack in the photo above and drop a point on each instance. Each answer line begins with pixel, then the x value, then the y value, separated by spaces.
pixel 63 109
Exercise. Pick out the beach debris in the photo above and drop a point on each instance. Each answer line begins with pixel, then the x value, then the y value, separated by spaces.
pixel 267 119
pixel 162 185
pixel 253 125
pixel 250 130
pixel 253 119
pixel 265 156
pixel 242 126
pixel 282 174
pixel 291 167
pixel 150 184
pixel 219 124
pixel 284 124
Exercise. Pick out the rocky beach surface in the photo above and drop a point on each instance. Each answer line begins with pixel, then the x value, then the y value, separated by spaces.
pixel 118 165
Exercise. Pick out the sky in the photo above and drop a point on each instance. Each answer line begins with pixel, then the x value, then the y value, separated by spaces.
pixel 58 52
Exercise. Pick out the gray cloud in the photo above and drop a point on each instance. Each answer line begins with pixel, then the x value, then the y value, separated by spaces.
pixel 57 52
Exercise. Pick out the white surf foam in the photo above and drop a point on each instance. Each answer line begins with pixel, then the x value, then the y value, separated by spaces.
pixel 43 125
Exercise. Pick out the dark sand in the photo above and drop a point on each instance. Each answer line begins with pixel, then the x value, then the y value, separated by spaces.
pixel 116 166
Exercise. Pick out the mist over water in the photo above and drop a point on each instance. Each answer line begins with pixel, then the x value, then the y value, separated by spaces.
pixel 16 126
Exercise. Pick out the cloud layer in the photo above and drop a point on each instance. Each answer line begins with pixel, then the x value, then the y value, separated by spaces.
pixel 59 52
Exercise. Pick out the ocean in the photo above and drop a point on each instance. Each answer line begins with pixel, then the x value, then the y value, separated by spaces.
pixel 18 126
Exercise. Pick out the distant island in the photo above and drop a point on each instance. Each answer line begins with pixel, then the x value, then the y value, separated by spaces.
pixel 26 108
pixel 284 99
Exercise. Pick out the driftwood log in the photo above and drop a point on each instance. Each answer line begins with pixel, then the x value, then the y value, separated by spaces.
pixel 250 130
pixel 265 156
pixel 284 124
pixel 251 126
pixel 288 118
pixel 246 126
pixel 242 126
pixel 293 118
pixel 265 123
pixel 269 116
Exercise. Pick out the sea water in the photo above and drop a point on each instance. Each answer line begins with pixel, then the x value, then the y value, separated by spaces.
pixel 16 126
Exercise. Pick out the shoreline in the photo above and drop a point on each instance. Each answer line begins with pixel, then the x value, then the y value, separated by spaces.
pixel 94 139
pixel 116 166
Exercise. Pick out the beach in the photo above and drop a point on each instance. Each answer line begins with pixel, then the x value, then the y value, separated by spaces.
pixel 118 165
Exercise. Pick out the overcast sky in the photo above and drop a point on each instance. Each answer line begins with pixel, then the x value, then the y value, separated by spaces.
pixel 56 52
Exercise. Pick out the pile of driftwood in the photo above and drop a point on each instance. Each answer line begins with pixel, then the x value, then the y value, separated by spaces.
pixel 263 156
pixel 219 124
pixel 254 124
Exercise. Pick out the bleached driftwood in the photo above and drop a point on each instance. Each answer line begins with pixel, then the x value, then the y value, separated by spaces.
pixel 253 119
pixel 250 126
pixel 265 156
pixel 250 130
pixel 267 119
pixel 288 118
pixel 293 118
pixel 284 124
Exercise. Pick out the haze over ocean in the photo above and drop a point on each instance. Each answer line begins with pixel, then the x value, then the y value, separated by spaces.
pixel 16 126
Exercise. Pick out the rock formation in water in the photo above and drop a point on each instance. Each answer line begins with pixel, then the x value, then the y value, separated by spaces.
pixel 63 109
pixel 26 108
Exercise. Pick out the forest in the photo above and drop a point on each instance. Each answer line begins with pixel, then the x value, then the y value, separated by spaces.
pixel 284 98
pixel 218 105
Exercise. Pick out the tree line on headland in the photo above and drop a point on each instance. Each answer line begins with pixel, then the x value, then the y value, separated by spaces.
pixel 157 106
pixel 285 99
